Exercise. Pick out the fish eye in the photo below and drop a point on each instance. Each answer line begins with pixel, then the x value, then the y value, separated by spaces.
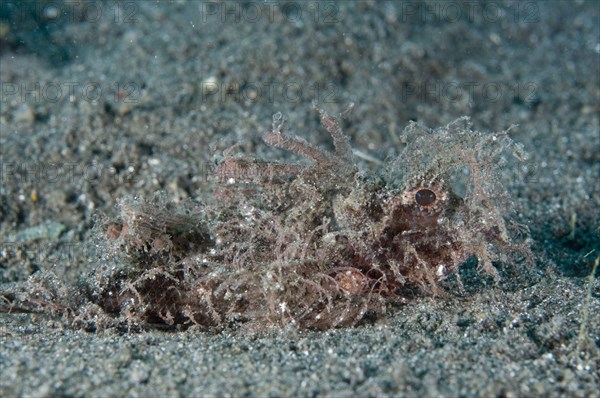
pixel 425 197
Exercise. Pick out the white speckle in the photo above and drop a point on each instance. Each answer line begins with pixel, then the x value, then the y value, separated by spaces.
pixel 247 210
pixel 210 85
pixel 440 271
pixel 51 12
pixel 24 115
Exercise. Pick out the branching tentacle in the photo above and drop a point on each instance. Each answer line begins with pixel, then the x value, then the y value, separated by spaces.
pixel 298 146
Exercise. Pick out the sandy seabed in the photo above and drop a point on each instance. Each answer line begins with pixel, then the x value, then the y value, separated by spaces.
pixel 102 100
